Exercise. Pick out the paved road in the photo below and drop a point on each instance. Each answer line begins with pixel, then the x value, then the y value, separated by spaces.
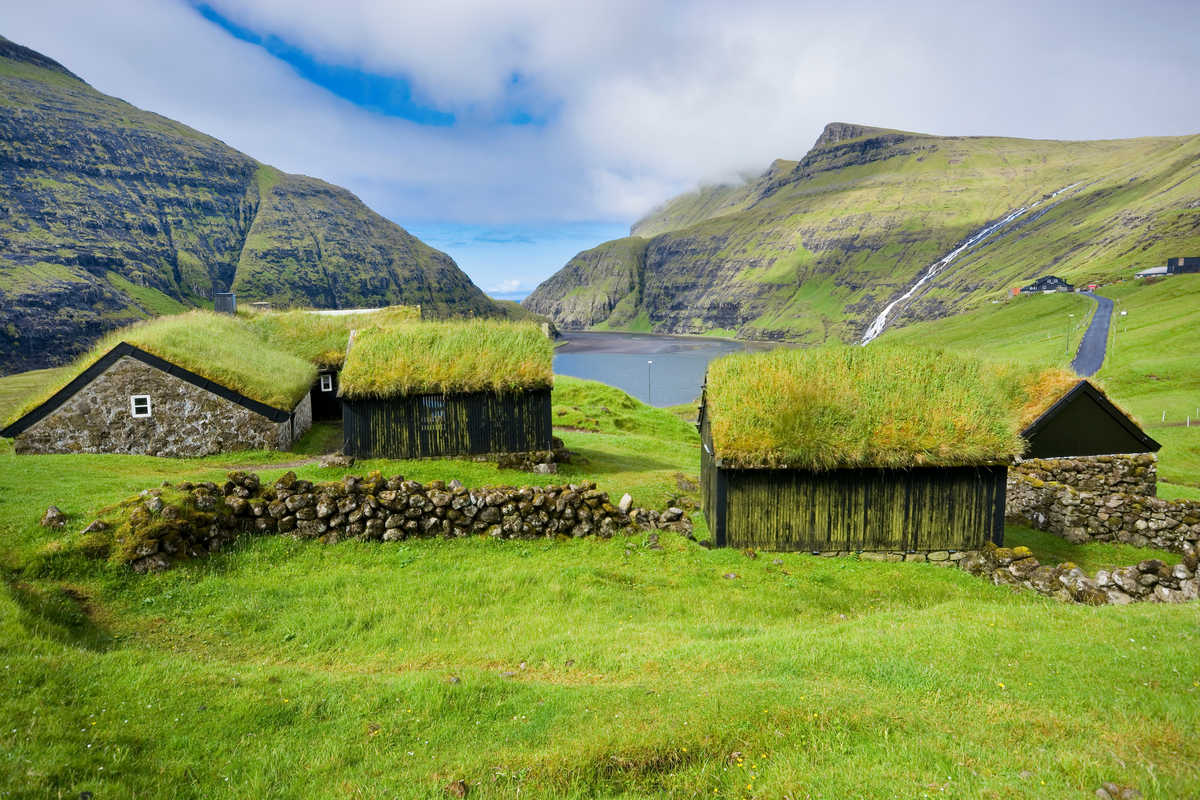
pixel 1095 342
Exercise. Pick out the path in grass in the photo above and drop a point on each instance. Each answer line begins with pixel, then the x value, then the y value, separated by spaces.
pixel 1090 357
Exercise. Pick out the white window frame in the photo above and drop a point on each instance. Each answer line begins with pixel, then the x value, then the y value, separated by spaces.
pixel 326 383
pixel 133 406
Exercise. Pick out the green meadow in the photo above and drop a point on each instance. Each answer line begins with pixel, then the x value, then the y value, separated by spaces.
pixel 576 668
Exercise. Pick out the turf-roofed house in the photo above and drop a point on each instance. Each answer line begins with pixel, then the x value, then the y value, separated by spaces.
pixel 855 449
pixel 447 388
pixel 321 337
pixel 179 386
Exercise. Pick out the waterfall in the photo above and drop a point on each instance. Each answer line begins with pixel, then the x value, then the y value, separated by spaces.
pixel 878 325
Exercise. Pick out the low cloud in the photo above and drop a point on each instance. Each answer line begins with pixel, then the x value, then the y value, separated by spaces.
pixel 642 99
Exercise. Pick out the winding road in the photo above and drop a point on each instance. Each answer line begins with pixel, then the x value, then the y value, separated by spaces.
pixel 1094 345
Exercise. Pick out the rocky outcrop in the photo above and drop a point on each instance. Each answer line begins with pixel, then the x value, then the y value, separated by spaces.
pixel 109 214
pixel 812 250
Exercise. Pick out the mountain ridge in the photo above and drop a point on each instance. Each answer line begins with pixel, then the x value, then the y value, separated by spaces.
pixel 811 250
pixel 110 213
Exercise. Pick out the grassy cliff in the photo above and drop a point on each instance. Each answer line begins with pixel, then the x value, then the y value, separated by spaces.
pixel 109 214
pixel 813 250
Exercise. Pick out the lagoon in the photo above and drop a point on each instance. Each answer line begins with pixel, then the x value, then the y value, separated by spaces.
pixel 624 360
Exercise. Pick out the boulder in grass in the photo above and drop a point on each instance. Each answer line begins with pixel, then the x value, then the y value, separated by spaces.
pixel 54 517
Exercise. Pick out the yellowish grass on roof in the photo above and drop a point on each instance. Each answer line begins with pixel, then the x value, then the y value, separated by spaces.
pixel 447 357
pixel 877 406
pixel 1040 389
pixel 219 347
pixel 322 338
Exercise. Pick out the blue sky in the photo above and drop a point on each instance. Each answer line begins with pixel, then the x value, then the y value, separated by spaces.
pixel 514 134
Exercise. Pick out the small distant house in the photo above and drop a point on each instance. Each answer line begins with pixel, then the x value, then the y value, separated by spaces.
pixel 1183 264
pixel 225 302
pixel 446 389
pixel 190 385
pixel 1047 284
pixel 1179 265
pixel 1084 422
pixel 853 449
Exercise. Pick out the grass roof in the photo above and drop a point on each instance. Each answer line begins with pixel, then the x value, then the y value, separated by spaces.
pixel 1040 389
pixel 877 406
pixel 451 356
pixel 219 347
pixel 322 338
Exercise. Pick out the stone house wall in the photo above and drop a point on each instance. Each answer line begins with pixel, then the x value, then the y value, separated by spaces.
pixel 185 420
pixel 1125 474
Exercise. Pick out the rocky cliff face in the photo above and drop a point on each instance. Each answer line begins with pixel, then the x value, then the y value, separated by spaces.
pixel 109 214
pixel 812 250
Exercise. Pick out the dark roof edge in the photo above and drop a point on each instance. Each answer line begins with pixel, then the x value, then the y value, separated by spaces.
pixel 122 349
pixel 1086 387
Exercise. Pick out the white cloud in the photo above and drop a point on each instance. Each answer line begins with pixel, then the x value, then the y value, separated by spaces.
pixel 650 96
pixel 506 286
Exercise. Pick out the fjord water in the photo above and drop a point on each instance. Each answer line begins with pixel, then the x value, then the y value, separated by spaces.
pixel 622 360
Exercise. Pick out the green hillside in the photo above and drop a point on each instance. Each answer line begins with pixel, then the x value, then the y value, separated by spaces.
pixel 1153 363
pixel 109 214
pixel 813 250
pixel 627 668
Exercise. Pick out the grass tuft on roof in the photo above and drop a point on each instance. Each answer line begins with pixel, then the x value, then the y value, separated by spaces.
pixel 219 347
pixel 846 407
pixel 322 338
pixel 447 357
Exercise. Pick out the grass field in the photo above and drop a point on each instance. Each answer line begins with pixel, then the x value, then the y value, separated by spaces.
pixel 583 668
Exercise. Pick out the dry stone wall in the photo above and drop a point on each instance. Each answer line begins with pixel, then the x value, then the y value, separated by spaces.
pixel 196 519
pixel 1079 517
pixel 185 420
pixel 1122 474
pixel 1151 580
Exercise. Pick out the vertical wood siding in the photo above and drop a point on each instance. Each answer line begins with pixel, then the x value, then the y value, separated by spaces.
pixel 924 508
pixel 419 426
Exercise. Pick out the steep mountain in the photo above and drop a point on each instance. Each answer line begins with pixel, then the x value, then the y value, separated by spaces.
pixel 815 249
pixel 109 214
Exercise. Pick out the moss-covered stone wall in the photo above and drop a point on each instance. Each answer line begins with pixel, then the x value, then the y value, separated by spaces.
pixel 1135 474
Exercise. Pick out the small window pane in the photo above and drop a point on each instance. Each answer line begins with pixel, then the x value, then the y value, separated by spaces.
pixel 326 383
pixel 139 405
pixel 435 412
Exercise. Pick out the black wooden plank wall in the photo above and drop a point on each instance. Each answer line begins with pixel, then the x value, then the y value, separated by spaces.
pixel 924 508
pixel 420 426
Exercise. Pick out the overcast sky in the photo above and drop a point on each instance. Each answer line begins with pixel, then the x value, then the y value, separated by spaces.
pixel 514 134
